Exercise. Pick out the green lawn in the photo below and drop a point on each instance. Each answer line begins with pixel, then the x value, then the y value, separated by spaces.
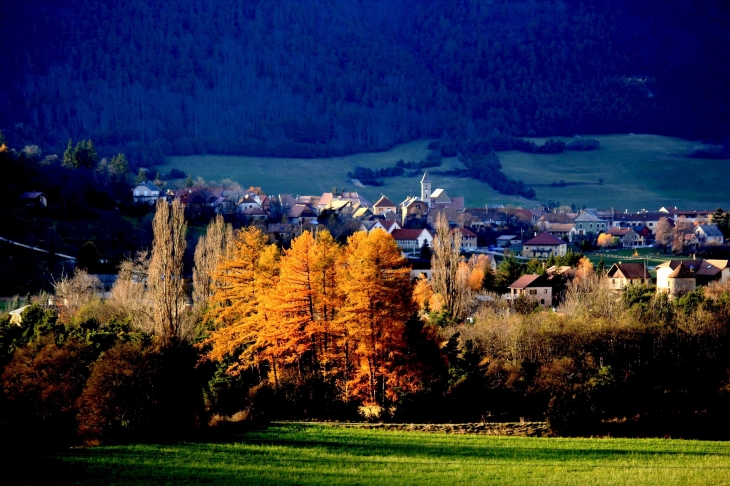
pixel 638 172
pixel 317 454
pixel 315 176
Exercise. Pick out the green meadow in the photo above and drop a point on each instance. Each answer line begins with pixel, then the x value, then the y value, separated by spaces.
pixel 638 172
pixel 320 454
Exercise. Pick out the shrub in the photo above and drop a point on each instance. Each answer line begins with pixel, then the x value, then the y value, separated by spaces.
pixel 135 392
pixel 42 383
pixel 583 144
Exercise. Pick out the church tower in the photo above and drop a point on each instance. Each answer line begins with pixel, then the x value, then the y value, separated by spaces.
pixel 426 189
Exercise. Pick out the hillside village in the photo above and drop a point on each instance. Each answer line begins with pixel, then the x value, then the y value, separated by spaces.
pixel 494 231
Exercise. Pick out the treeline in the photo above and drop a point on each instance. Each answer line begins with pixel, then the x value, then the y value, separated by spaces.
pixel 305 79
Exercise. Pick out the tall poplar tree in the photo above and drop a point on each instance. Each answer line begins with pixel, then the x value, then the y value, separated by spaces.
pixel 165 279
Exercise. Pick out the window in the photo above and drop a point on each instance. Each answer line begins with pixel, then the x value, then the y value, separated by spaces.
pixel 533 291
pixel 546 291
pixel 145 193
pixel 136 193
pixel 542 301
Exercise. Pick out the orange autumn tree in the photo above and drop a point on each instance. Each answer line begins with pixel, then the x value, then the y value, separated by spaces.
pixel 244 280
pixel 376 284
pixel 304 304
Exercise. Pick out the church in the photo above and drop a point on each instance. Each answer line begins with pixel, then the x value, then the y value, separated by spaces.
pixel 429 200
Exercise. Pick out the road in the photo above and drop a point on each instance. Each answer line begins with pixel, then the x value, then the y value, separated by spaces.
pixel 34 248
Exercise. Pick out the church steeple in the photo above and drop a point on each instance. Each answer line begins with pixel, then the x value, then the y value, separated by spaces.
pixel 426 189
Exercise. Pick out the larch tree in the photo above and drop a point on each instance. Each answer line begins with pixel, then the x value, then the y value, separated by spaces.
pixel 306 301
pixel 376 284
pixel 165 280
pixel 445 266
pixel 245 279
pixel 211 247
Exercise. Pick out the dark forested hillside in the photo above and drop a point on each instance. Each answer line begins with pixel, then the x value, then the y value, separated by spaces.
pixel 313 78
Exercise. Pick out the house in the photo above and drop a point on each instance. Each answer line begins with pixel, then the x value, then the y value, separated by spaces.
pixel 681 281
pixel 544 245
pixel 629 238
pixel 564 231
pixel 413 208
pixel 254 214
pixel 650 219
pixel 300 214
pixel 146 193
pixel 624 274
pixel 468 238
pixel 419 267
pixel 704 272
pixel 536 287
pixel 587 223
pixel 384 204
pixel 412 239
pixel 34 199
pixel 689 214
pixel 16 316
pixel 282 232
pixel 362 213
pixel 709 234
pixel 387 225
pixel 505 241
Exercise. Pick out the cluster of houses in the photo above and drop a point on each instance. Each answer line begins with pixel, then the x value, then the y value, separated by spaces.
pixel 674 278
pixel 552 231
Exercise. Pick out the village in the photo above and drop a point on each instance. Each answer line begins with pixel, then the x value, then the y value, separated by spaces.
pixel 492 232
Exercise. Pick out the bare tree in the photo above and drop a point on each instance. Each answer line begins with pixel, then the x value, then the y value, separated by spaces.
pixel 78 290
pixel 445 266
pixel 208 252
pixel 682 228
pixel 129 295
pixel 165 280
pixel 664 233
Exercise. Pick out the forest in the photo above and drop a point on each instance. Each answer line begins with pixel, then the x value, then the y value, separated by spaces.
pixel 304 78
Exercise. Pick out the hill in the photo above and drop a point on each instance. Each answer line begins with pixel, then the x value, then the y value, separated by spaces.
pixel 304 78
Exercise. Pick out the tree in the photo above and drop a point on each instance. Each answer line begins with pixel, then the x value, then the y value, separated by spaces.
pixel 141 176
pixel 88 257
pixel 247 275
pixel 118 166
pixel 211 247
pixel 445 266
pixel 69 159
pixel 605 240
pixel 664 233
pixel 189 181
pixel 375 283
pixel 507 273
pixel 165 280
pixel 682 229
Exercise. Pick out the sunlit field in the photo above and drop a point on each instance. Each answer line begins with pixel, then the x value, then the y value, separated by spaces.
pixel 638 172
pixel 318 454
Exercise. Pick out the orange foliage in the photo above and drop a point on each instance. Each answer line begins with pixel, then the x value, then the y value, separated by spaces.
pixel 340 312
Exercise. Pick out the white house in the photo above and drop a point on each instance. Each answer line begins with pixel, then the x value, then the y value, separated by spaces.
pixel 147 193
pixel 709 234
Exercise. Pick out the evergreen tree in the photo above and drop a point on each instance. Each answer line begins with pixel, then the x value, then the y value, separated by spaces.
pixel 141 176
pixel 69 156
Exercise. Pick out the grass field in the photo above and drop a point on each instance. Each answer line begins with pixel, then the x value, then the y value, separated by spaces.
pixel 652 256
pixel 639 172
pixel 317 454
pixel 315 176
